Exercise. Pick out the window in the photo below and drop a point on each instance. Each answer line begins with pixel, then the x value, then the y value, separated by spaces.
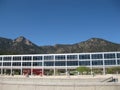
pixel 16 58
pixel 48 57
pixel 25 58
pixel 97 56
pixel 6 63
pixel 110 62
pixel 0 58
pixel 6 58
pixel 118 55
pixel 37 57
pixel 84 63
pixel 60 57
pixel 98 62
pixel 107 56
pixel 118 62
pixel 84 56
pixel 26 63
pixel 72 63
pixel 16 64
pixel 71 57
pixel 48 63
pixel 0 64
pixel 37 63
pixel 60 63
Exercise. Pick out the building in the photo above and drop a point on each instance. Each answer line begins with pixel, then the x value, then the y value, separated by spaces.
pixel 39 64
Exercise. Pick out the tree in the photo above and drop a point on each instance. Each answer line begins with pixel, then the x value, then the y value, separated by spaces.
pixel 83 69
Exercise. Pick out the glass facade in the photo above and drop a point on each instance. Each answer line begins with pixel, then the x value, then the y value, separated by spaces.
pixel 102 59
pixel 55 63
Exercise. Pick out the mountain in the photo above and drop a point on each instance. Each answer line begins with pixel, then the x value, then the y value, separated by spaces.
pixel 21 45
pixel 22 39
pixel 5 45
pixel 97 45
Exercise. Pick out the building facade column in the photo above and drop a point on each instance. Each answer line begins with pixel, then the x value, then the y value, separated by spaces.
pixel 103 65
pixel 54 66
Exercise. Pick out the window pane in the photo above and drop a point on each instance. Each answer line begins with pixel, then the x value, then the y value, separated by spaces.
pixel 6 63
pixel 118 62
pixel 106 56
pixel 37 63
pixel 60 57
pixel 0 58
pixel 84 56
pixel 48 58
pixel 16 58
pixel 16 64
pixel 71 57
pixel 0 64
pixel 72 63
pixel 25 58
pixel 96 56
pixel 98 62
pixel 118 55
pixel 6 58
pixel 84 63
pixel 48 63
pixel 37 57
pixel 110 62
pixel 60 63
pixel 26 63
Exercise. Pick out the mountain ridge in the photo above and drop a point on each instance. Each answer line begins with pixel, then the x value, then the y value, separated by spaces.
pixel 21 45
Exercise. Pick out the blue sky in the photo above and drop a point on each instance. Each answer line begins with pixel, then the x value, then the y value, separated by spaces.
pixel 50 22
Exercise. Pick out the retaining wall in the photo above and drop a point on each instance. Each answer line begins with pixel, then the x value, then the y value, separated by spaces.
pixel 13 83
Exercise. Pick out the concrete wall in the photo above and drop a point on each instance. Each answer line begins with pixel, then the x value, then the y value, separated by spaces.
pixel 47 87
pixel 54 84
